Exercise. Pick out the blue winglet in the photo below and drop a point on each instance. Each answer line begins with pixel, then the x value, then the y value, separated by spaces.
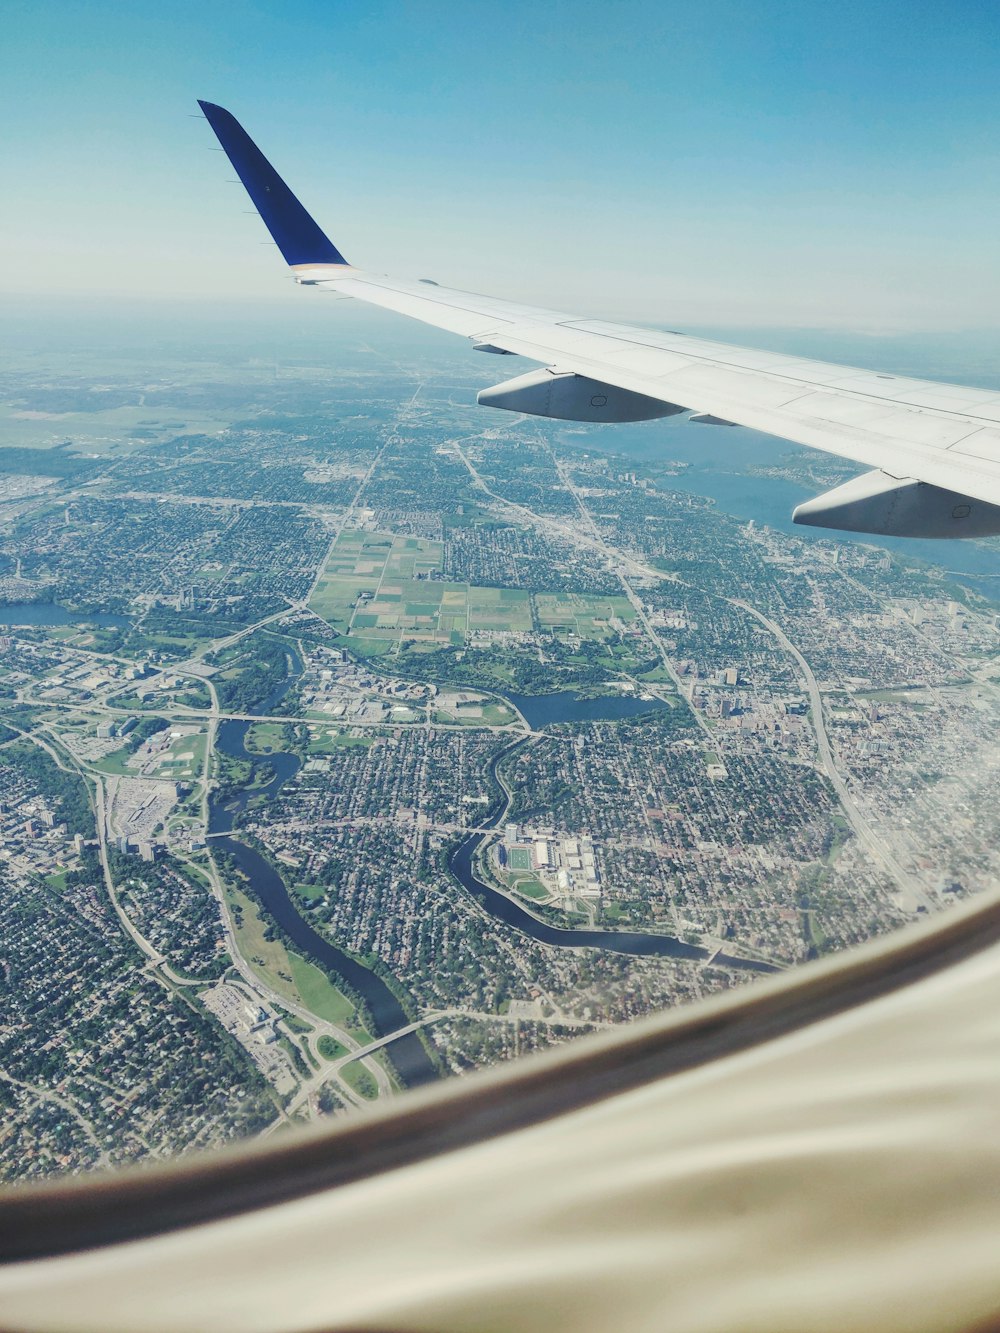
pixel 295 233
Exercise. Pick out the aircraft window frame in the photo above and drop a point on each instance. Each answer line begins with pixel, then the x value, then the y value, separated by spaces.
pixel 69 1215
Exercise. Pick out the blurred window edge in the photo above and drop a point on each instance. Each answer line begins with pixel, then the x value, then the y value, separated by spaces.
pixel 84 1212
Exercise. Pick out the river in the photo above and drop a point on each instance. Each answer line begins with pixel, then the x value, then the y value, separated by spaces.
pixel 511 913
pixel 408 1054
pixel 770 501
pixel 722 464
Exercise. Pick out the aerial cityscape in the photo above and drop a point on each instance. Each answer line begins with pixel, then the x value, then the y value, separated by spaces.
pixel 355 737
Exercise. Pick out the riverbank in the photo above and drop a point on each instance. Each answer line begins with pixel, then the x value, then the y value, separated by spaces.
pixel 408 1054
pixel 503 907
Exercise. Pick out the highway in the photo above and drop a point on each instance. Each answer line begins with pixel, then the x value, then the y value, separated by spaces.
pixel 913 893
pixel 905 882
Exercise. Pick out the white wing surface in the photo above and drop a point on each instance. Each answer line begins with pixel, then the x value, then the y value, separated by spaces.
pixel 934 448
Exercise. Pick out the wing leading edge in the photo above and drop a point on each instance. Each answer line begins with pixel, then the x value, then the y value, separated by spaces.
pixel 933 449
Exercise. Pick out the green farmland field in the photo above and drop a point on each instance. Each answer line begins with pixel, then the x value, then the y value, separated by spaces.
pixel 382 588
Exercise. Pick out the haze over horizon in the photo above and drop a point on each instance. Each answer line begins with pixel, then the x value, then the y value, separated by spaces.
pixel 787 167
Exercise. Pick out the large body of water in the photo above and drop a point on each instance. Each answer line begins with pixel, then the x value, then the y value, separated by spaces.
pixel 541 710
pixel 51 613
pixel 770 501
pixel 720 462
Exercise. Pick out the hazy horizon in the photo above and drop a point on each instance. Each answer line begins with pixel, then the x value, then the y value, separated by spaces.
pixel 785 166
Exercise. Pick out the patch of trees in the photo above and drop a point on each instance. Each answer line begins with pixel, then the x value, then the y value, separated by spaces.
pixel 66 792
pixel 147 727
pixel 494 669
pixel 263 674
pixel 56 462
pixel 207 626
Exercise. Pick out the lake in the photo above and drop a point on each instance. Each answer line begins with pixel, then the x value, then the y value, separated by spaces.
pixel 542 710
pixel 51 613
pixel 720 464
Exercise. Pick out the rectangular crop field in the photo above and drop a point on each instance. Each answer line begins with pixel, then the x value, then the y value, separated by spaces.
pixel 380 588
pixel 367 572
pixel 578 613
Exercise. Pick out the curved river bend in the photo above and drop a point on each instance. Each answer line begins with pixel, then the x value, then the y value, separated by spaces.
pixel 461 863
pixel 408 1053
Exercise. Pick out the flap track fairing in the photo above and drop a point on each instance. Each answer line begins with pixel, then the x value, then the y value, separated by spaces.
pixel 570 397
pixel 899 507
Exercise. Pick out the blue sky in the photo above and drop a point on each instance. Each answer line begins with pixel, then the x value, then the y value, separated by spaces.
pixel 787 164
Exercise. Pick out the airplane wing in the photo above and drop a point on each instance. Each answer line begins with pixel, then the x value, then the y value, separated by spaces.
pixel 933 449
